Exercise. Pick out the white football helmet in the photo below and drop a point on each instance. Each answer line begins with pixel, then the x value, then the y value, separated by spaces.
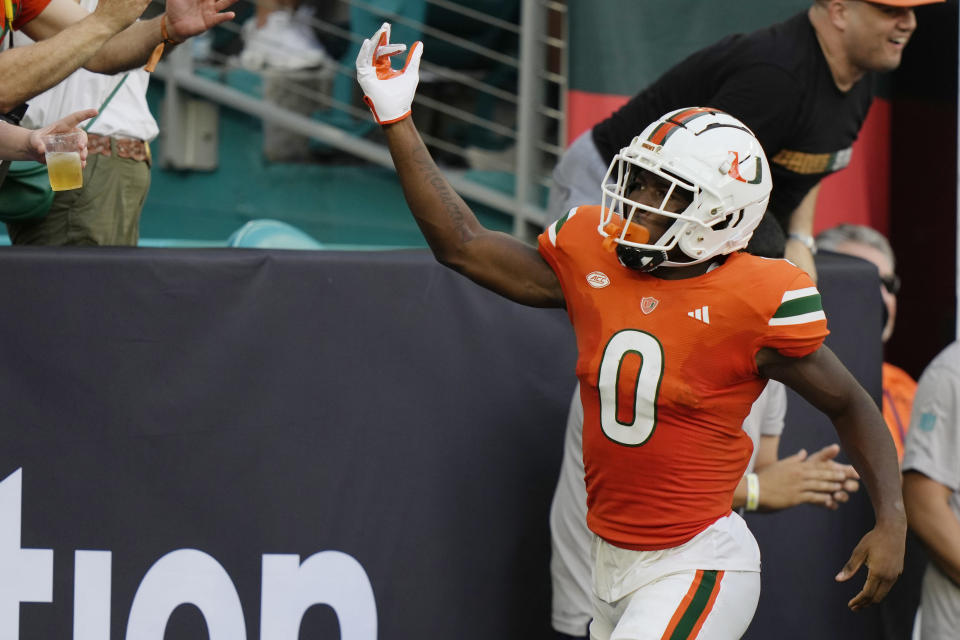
pixel 709 157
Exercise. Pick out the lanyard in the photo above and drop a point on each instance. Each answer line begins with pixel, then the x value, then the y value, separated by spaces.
pixel 105 102
pixel 8 13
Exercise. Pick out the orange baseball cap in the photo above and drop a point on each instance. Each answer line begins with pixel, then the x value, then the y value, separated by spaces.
pixel 905 3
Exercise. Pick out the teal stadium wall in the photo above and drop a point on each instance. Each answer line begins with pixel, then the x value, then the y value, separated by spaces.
pixel 339 201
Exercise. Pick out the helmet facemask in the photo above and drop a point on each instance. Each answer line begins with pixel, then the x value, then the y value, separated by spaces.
pixel 670 195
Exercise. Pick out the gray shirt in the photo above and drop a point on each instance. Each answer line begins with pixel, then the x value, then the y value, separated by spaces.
pixel 933 449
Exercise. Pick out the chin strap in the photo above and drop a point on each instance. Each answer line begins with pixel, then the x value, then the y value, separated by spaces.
pixel 633 258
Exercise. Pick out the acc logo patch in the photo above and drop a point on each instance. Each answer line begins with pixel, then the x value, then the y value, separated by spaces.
pixel 598 279
pixel 648 304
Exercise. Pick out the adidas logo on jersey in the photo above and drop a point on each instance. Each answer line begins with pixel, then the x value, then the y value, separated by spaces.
pixel 702 314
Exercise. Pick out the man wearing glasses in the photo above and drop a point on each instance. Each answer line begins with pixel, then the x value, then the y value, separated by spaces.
pixel 870 245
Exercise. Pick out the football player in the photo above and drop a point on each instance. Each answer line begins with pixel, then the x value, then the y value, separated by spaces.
pixel 677 332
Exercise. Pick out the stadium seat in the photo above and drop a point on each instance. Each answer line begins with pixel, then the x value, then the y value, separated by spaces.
pixel 271 234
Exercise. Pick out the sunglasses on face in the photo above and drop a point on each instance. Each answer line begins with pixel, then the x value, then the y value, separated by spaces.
pixel 891 283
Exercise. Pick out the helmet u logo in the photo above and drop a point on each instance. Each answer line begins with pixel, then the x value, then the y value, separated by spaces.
pixel 734 171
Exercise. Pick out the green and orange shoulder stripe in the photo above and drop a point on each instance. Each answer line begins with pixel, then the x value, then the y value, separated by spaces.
pixel 791 307
pixel 798 306
pixel 585 218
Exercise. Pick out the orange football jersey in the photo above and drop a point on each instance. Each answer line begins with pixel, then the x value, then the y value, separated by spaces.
pixel 667 374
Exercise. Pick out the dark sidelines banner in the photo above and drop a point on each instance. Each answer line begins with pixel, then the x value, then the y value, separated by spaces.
pixel 366 439
pixel 278 445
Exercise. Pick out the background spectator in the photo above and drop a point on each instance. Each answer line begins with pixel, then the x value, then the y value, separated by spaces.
pixel 106 210
pixel 803 86
pixel 871 245
pixel 931 491
pixel 108 40
pixel 279 36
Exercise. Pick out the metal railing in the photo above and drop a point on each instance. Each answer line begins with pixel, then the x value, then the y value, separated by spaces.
pixel 521 84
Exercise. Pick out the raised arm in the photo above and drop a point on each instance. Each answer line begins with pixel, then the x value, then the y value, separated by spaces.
pixel 106 41
pixel 67 37
pixel 824 382
pixel 492 259
pixel 183 19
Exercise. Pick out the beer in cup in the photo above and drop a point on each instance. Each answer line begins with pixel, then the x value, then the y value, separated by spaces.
pixel 63 160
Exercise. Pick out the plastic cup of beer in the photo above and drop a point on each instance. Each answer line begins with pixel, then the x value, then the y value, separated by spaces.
pixel 63 160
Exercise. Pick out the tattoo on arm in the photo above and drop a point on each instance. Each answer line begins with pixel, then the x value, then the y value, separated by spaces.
pixel 448 197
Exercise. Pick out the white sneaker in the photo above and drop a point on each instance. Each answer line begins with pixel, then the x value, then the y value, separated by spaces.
pixel 282 43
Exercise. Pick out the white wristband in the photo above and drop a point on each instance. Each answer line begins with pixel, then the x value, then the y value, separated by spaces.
pixel 805 239
pixel 753 492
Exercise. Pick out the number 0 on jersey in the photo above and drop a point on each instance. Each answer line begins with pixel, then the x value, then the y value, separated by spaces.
pixel 622 344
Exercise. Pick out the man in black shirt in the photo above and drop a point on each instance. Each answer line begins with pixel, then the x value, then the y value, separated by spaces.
pixel 804 87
